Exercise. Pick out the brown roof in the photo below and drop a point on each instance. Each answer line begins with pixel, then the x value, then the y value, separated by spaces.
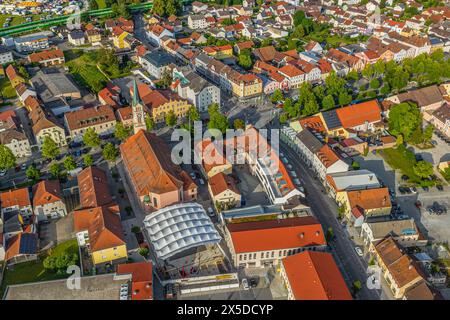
pixel 47 191
pixel 423 97
pixel 400 265
pixel 221 182
pixel 7 136
pixel 15 197
pixel 147 160
pixel 45 55
pixel 103 226
pixel 11 72
pixel 84 118
pixel 327 156
pixel 94 190
pixel 369 199
pixel 290 71
pixel 420 291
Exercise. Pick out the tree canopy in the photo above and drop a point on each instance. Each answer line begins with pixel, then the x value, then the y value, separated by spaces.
pixel 49 148
pixel 404 119
pixel 91 138
pixel 7 158
pixel 110 152
pixel 216 119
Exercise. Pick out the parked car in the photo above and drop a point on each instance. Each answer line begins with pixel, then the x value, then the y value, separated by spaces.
pixel 202 182
pixel 192 174
pixel 211 212
pixel 254 282
pixel 245 284
pixel 359 252
pixel 439 187
pixel 3 172
pixel 418 204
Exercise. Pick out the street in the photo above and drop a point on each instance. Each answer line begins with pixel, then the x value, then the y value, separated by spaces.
pixel 325 210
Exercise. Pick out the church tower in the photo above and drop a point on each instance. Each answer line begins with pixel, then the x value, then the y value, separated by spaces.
pixel 138 110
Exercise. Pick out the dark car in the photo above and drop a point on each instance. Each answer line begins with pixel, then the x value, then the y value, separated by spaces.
pixel 425 188
pixel 405 177
pixel 439 187
pixel 74 144
pixel 402 190
pixel 253 282
pixel 419 157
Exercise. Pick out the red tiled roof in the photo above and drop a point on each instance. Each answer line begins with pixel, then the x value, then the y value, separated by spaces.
pixel 141 279
pixel 45 55
pixel 220 183
pixel 85 118
pixel 276 234
pixel 15 197
pixel 327 156
pixel 94 190
pixel 357 114
pixel 314 275
pixel 47 191
pixel 369 199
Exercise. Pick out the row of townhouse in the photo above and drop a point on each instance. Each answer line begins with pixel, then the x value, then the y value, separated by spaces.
pixel 228 79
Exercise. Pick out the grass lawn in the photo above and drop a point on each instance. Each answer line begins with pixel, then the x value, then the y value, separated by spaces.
pixel 33 271
pixel 16 20
pixel 8 92
pixel 404 160
pixel 85 71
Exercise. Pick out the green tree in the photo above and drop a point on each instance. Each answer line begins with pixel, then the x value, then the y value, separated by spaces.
pixel 311 107
pixel 171 118
pixel 93 5
pixel 216 119
pixel 334 84
pixel 238 124
pixel 356 165
pixel 353 76
pixel 7 158
pixel 423 169
pixel 33 173
pixel 344 98
pixel 428 133
pixel 59 263
pixel 110 152
pixel 149 123
pixel 403 119
pixel 385 90
pixel 356 287
pixel 49 148
pixel 276 96
pixel 144 252
pixel 55 170
pixel 69 163
pixel 283 117
pixel 91 138
pixel 121 132
pixel 245 61
pixel 159 7
pixel 374 83
pixel 328 102
pixel 88 160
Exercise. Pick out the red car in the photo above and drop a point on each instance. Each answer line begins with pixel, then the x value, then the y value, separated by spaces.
pixel 418 204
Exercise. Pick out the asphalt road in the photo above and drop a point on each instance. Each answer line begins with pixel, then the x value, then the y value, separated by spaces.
pixel 323 207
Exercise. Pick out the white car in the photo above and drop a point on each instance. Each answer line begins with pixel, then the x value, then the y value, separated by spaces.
pixel 211 212
pixel 202 182
pixel 2 173
pixel 359 252
pixel 192 175
pixel 245 284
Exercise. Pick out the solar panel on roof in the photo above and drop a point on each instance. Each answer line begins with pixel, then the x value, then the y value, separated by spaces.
pixel 28 244
pixel 331 119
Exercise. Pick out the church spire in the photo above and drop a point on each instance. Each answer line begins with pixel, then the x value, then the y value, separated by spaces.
pixel 137 110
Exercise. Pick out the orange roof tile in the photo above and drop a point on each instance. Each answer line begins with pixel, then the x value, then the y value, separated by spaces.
pixel 290 71
pixel 314 275
pixel 327 156
pixel 220 183
pixel 357 114
pixel 141 279
pixel 45 55
pixel 103 226
pixel 369 199
pixel 276 234
pixel 47 191
pixel 15 197
pixel 94 190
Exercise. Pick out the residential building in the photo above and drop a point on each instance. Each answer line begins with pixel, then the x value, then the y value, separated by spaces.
pixel 294 75
pixel 93 36
pixel 213 159
pixel 197 21
pixel 110 95
pixel 156 62
pixel 427 99
pixel 21 247
pixel 24 91
pixel 16 200
pixel 76 38
pixel 266 243
pixel 157 181
pixel 47 58
pixel 338 183
pixel 13 76
pixel 122 23
pixel 101 119
pixel 360 204
pixel 197 90
pixel 32 42
pixel 362 116
pixel 404 232
pixel 312 275
pixel 440 118
pixel 100 231
pixel 48 200
pixel 93 188
pixel 6 56
pixel 327 161
pixel 156 33
pixel 224 191
pixel 16 141
pixel 398 269
pixel 199 6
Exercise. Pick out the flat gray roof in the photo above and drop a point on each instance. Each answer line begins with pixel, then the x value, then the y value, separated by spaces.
pixel 100 287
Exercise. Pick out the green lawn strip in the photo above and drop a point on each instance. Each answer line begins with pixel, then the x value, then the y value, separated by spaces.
pixel 34 271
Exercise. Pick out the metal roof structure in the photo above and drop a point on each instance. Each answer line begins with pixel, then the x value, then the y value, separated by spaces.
pixel 179 227
pixel 331 119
